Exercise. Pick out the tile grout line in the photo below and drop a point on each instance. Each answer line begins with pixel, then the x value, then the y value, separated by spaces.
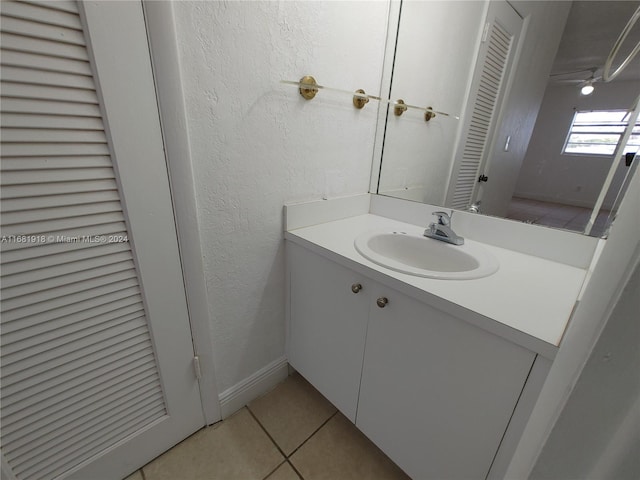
pixel 268 435
pixel 314 432
pixel 272 471
pixel 294 469
pixel 286 457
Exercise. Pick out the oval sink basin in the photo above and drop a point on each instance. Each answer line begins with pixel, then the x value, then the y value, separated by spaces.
pixel 424 257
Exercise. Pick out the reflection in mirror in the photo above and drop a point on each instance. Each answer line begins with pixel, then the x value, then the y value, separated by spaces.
pixel 528 146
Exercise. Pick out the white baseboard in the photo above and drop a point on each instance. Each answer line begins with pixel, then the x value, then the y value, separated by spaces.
pixel 236 397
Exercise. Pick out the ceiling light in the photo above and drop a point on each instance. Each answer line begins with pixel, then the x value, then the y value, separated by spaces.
pixel 587 89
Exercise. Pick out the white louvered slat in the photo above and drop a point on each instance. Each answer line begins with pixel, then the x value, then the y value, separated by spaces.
pixel 44 250
pixel 11 251
pixel 79 296
pixel 68 451
pixel 31 421
pixel 49 430
pixel 101 374
pixel 492 74
pixel 43 92
pixel 487 90
pixel 498 50
pixel 43 465
pixel 78 432
pixel 53 163
pixel 50 227
pixel 30 250
pixel 68 314
pixel 79 372
pixel 45 62
pixel 48 201
pixel 484 107
pixel 55 175
pixel 17 432
pixel 108 434
pixel 78 368
pixel 49 107
pixel 486 98
pixel 53 271
pixel 45 135
pixel 68 211
pixel 60 265
pixel 45 189
pixel 66 335
pixel 46 364
pixel 59 313
pixel 48 359
pixel 54 149
pixel 119 379
pixel 96 313
pixel 21 294
pixel 65 122
pixel 81 389
pixel 42 77
pixel 64 5
pixel 62 430
pixel 19 394
pixel 36 297
pixel 40 14
pixel 39 30
pixel 20 43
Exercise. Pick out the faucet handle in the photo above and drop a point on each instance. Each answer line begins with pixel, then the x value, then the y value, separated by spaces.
pixel 443 218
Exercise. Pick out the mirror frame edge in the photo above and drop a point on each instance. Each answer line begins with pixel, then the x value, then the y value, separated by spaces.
pixel 388 60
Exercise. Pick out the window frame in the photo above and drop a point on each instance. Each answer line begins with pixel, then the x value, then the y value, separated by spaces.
pixel 622 124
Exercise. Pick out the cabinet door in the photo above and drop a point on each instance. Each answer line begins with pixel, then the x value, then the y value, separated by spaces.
pixel 327 326
pixel 436 393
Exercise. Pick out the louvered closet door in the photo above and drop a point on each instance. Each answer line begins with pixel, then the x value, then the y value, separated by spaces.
pixel 495 60
pixel 95 342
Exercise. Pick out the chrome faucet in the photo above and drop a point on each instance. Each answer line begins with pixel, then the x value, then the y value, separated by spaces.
pixel 441 230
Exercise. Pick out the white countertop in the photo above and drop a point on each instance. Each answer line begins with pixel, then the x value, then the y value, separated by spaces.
pixel 528 300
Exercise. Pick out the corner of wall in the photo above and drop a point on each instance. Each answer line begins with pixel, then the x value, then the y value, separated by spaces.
pixel 300 215
pixel 257 384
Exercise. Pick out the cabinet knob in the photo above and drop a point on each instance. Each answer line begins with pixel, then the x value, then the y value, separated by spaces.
pixel 356 287
pixel 382 302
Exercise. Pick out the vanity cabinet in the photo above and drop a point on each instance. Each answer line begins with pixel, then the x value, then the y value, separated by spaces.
pixel 434 392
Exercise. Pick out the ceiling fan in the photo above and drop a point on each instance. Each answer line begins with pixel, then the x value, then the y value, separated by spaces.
pixel 606 75
pixel 585 84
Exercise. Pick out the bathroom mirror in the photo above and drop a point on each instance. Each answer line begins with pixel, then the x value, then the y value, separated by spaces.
pixel 512 72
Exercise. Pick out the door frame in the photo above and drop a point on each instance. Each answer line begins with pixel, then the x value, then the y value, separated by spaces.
pixel 165 63
pixel 122 74
pixel 166 77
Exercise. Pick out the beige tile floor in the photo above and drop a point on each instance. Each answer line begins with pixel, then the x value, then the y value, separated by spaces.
pixel 556 215
pixel 291 433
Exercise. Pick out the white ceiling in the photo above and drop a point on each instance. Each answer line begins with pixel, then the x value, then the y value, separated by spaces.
pixel 591 31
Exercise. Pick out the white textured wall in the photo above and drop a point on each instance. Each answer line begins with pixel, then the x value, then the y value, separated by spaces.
pixel 546 173
pixel 257 144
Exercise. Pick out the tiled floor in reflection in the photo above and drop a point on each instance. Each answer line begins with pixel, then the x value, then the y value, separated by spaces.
pixel 556 215
pixel 291 433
